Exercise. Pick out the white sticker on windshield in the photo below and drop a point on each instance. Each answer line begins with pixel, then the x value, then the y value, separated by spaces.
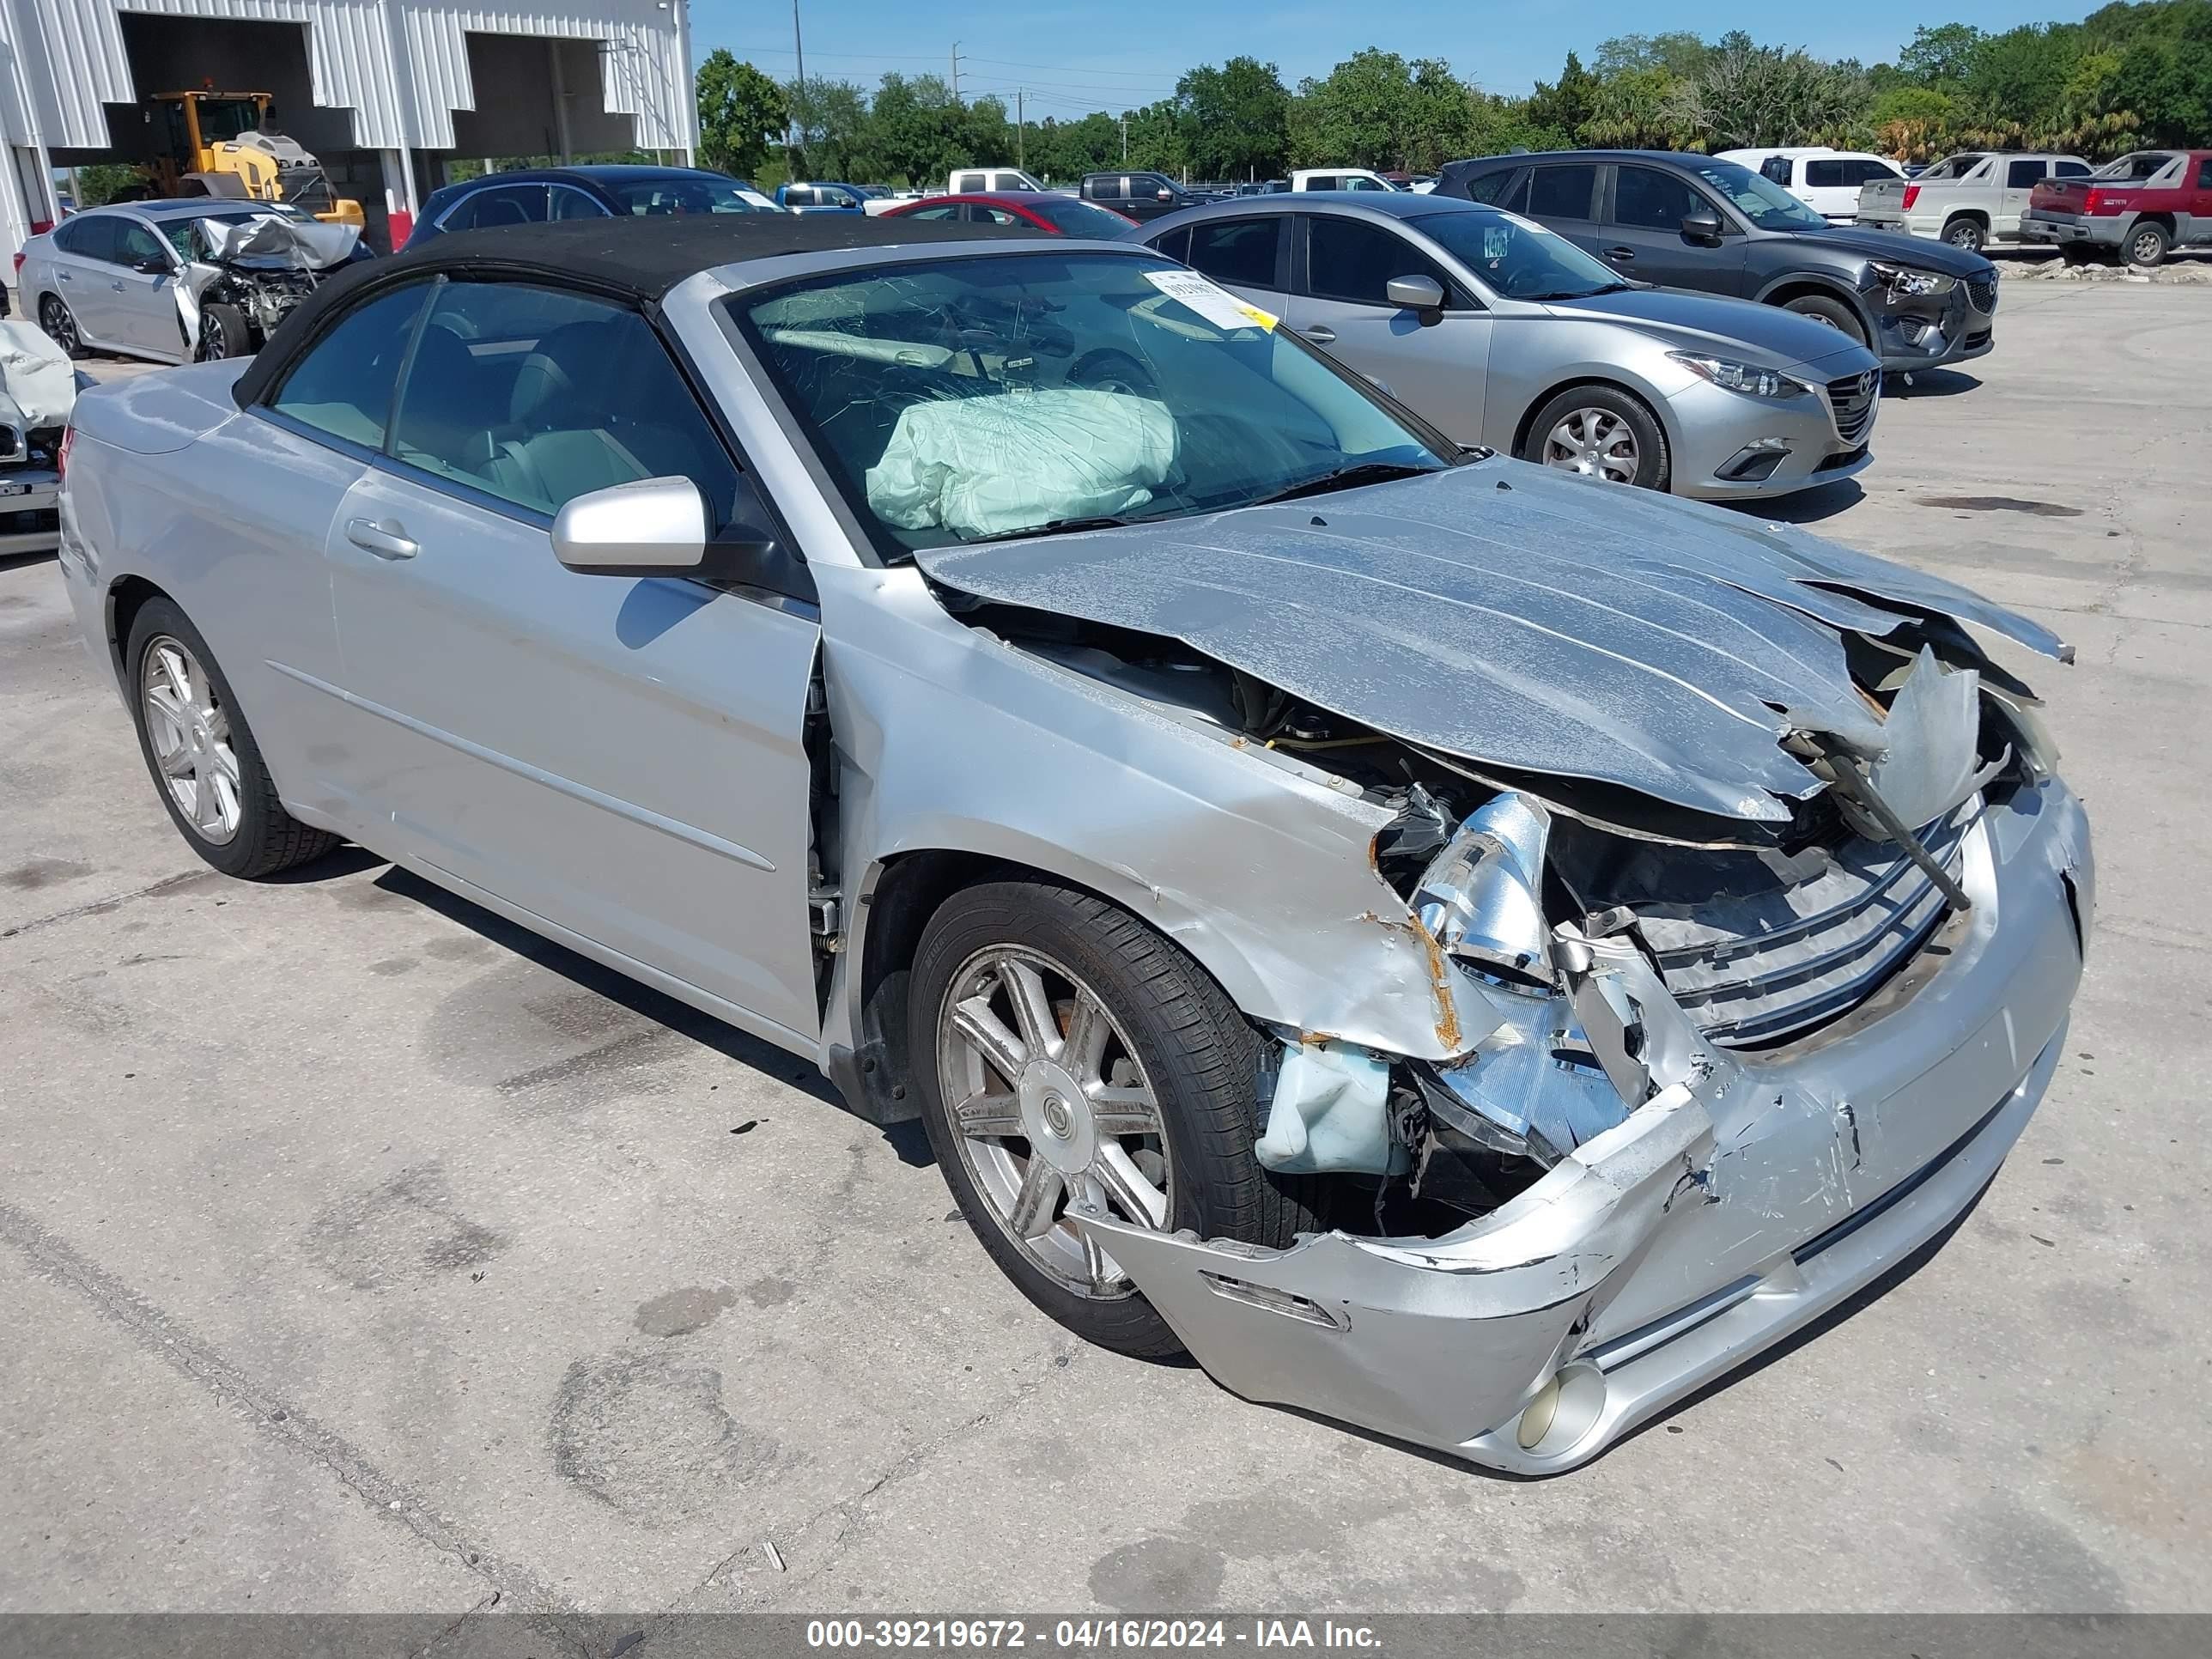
pixel 1525 224
pixel 1217 305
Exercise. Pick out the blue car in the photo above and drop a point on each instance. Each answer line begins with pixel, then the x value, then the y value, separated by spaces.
pixel 820 198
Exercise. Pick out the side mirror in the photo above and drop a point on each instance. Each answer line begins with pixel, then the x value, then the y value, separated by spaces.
pixel 1163 194
pixel 654 527
pixel 152 265
pixel 1424 294
pixel 1703 225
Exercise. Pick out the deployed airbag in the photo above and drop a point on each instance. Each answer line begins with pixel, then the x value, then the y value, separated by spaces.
pixel 983 465
pixel 36 376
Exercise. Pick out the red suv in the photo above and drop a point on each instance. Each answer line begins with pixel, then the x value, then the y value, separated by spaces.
pixel 2143 205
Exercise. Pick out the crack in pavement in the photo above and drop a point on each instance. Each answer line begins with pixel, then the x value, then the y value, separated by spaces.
pixel 103 907
pixel 157 1331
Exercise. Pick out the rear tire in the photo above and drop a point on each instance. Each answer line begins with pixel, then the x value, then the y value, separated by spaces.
pixel 1967 233
pixel 1170 1035
pixel 224 333
pixel 60 326
pixel 1834 312
pixel 2147 246
pixel 1600 432
pixel 205 764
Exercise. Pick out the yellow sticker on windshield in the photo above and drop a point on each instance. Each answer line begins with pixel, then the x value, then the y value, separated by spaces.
pixel 1217 305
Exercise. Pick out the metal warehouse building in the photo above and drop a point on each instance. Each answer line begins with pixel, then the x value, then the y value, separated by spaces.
pixel 385 92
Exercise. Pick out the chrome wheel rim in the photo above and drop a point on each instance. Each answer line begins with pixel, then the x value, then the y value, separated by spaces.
pixel 2146 249
pixel 1049 1106
pixel 1966 236
pixel 1595 442
pixel 60 326
pixel 190 734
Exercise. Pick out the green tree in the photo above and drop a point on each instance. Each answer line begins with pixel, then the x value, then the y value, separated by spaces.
pixel 1156 137
pixel 831 117
pixel 102 182
pixel 1235 120
pixel 1566 103
pixel 1750 95
pixel 917 132
pixel 1680 53
pixel 1646 108
pixel 1941 55
pixel 741 114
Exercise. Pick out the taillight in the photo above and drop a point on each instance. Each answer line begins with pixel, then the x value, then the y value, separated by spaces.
pixel 1911 195
pixel 61 454
pixel 2094 202
pixel 19 262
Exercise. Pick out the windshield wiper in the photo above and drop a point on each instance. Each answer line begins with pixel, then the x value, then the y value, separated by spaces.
pixel 1053 527
pixel 1346 478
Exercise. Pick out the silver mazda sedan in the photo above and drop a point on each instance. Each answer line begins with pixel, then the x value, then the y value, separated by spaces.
pixel 1458 948
pixel 1504 334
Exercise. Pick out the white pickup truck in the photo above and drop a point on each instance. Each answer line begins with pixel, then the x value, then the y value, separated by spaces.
pixel 1973 200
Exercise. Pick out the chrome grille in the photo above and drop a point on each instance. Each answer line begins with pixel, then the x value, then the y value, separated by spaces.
pixel 1854 401
pixel 1753 970
pixel 1983 291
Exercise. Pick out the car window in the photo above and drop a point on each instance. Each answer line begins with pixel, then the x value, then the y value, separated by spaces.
pixel 1240 252
pixel 87 237
pixel 2204 175
pixel 936 211
pixel 538 395
pixel 2018 176
pixel 1953 166
pixel 1562 192
pixel 1777 167
pixel 1356 182
pixel 1651 198
pixel 342 384
pixel 1352 261
pixel 2070 169
pixel 1506 188
pixel 500 205
pixel 136 243
pixel 1072 218
pixel 1868 173
pixel 1521 260
pixel 182 234
pixel 930 394
pixel 1762 201
pixel 571 204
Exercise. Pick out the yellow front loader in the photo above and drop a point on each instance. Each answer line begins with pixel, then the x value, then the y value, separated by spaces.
pixel 224 144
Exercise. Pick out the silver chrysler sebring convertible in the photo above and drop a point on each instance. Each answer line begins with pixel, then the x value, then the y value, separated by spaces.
pixel 1458 948
pixel 1504 334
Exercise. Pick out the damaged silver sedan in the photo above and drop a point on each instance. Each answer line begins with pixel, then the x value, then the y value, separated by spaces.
pixel 1459 950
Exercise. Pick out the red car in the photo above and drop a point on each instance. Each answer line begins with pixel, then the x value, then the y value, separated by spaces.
pixel 2139 208
pixel 1040 210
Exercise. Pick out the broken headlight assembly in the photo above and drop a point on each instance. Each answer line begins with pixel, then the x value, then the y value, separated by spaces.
pixel 1748 379
pixel 1904 282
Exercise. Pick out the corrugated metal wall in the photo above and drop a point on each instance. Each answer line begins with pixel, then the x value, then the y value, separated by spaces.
pixel 403 68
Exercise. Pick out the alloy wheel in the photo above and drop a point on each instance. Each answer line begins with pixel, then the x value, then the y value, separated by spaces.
pixel 213 347
pixel 1051 1107
pixel 2146 249
pixel 60 327
pixel 189 733
pixel 1595 442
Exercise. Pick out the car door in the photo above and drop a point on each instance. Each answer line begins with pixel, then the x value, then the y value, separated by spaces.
pixel 143 288
pixel 1340 301
pixel 1251 258
pixel 2197 229
pixel 84 253
pixel 623 758
pixel 1644 237
pixel 1563 197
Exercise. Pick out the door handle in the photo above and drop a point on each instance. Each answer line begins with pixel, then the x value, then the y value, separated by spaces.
pixel 1322 334
pixel 385 540
pixel 117 287
pixel 1623 254
pixel 63 275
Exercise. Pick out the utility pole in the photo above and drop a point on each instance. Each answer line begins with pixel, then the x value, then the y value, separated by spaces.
pixel 798 50
pixel 956 68
pixel 1021 158
pixel 1125 138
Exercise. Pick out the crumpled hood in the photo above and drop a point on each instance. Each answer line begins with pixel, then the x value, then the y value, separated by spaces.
pixel 1922 252
pixel 1725 328
pixel 1516 616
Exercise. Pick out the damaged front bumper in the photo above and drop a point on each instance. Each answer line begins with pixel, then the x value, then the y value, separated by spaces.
pixel 1752 1193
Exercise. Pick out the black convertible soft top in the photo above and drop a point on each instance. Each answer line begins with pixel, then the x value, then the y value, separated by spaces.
pixel 641 257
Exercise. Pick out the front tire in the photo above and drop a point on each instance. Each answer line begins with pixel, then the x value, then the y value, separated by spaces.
pixel 1967 234
pixel 2147 246
pixel 1062 1046
pixel 224 333
pixel 1833 312
pixel 204 762
pixel 1600 432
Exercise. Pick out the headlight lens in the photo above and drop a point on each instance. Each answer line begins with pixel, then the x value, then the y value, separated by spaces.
pixel 1732 376
pixel 1482 898
pixel 1903 279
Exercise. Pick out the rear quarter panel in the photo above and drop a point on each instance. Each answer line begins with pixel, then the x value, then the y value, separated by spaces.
pixel 227 513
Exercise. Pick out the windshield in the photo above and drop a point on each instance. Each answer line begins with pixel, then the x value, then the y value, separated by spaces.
pixel 1072 218
pixel 2141 164
pixel 1762 201
pixel 688 193
pixel 223 119
pixel 1517 258
pixel 189 247
pixel 972 398
pixel 1955 167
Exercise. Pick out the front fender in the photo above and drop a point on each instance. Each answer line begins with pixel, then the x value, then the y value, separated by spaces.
pixel 949 738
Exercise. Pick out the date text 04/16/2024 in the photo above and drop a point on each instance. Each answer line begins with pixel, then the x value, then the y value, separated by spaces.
pixel 1087 1634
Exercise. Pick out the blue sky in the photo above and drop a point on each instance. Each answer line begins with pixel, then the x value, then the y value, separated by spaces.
pixel 1080 55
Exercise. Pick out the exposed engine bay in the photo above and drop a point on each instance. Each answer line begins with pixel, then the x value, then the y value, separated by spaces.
pixel 258 270
pixel 1767 933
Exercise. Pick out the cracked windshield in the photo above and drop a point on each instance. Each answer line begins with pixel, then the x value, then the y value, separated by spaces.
pixel 969 399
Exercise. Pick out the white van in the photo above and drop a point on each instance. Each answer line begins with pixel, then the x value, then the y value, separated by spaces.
pixel 989 181
pixel 1825 180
